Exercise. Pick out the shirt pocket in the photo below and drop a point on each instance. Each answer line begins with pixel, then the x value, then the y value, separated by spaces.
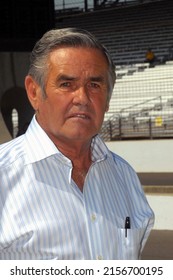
pixel 129 243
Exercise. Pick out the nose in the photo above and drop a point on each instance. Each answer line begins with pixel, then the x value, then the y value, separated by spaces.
pixel 81 96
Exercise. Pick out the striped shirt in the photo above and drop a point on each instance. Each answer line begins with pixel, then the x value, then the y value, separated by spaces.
pixel 44 215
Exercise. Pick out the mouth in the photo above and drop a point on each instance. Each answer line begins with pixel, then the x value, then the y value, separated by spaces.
pixel 82 116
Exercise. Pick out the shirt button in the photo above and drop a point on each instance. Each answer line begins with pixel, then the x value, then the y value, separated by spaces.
pixel 99 257
pixel 93 217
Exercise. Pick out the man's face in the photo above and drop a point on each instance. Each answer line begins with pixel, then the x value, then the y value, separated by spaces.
pixel 77 95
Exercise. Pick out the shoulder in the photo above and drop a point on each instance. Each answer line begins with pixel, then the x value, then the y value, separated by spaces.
pixel 118 162
pixel 121 162
pixel 125 170
pixel 11 151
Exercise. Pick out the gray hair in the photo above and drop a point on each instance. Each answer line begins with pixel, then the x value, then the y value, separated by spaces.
pixel 70 37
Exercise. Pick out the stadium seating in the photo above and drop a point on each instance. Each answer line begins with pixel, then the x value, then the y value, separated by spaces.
pixel 128 31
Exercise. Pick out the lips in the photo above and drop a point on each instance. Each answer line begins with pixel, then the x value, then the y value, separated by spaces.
pixel 83 116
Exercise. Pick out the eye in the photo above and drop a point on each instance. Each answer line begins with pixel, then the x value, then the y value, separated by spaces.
pixel 65 84
pixel 94 85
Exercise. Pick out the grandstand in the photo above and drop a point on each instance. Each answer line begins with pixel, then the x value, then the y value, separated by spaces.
pixel 127 31
pixel 141 105
pixel 142 102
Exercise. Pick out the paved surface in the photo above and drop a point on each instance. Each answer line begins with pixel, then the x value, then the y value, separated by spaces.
pixel 159 246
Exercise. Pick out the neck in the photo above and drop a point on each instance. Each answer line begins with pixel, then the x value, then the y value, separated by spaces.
pixel 80 156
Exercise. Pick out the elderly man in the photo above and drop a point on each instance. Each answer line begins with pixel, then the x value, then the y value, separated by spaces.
pixel 63 194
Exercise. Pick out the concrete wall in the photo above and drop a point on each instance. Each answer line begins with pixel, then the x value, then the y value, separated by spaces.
pixel 4 133
pixel 152 156
pixel 13 68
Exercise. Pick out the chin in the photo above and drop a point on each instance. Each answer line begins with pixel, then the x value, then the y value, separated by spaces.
pixel 81 137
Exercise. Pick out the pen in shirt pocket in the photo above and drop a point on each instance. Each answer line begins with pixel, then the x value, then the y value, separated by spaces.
pixel 127 225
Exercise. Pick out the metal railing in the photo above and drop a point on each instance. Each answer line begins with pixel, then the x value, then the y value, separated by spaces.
pixel 145 123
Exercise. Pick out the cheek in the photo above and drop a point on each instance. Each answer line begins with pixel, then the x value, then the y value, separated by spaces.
pixel 47 110
pixel 100 112
pixel 102 105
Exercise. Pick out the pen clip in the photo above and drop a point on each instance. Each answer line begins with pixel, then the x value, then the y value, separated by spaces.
pixel 127 225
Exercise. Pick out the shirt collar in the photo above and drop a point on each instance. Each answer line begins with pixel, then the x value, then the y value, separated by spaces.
pixel 39 146
pixel 99 150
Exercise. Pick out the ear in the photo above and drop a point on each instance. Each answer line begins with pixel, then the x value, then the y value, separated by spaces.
pixel 32 91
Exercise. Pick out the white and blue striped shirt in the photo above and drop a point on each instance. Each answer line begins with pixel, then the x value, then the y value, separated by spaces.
pixel 43 214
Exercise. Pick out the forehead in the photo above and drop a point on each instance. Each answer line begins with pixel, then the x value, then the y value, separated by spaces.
pixel 78 58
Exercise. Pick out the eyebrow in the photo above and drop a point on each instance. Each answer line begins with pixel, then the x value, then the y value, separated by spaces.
pixel 64 77
pixel 97 79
